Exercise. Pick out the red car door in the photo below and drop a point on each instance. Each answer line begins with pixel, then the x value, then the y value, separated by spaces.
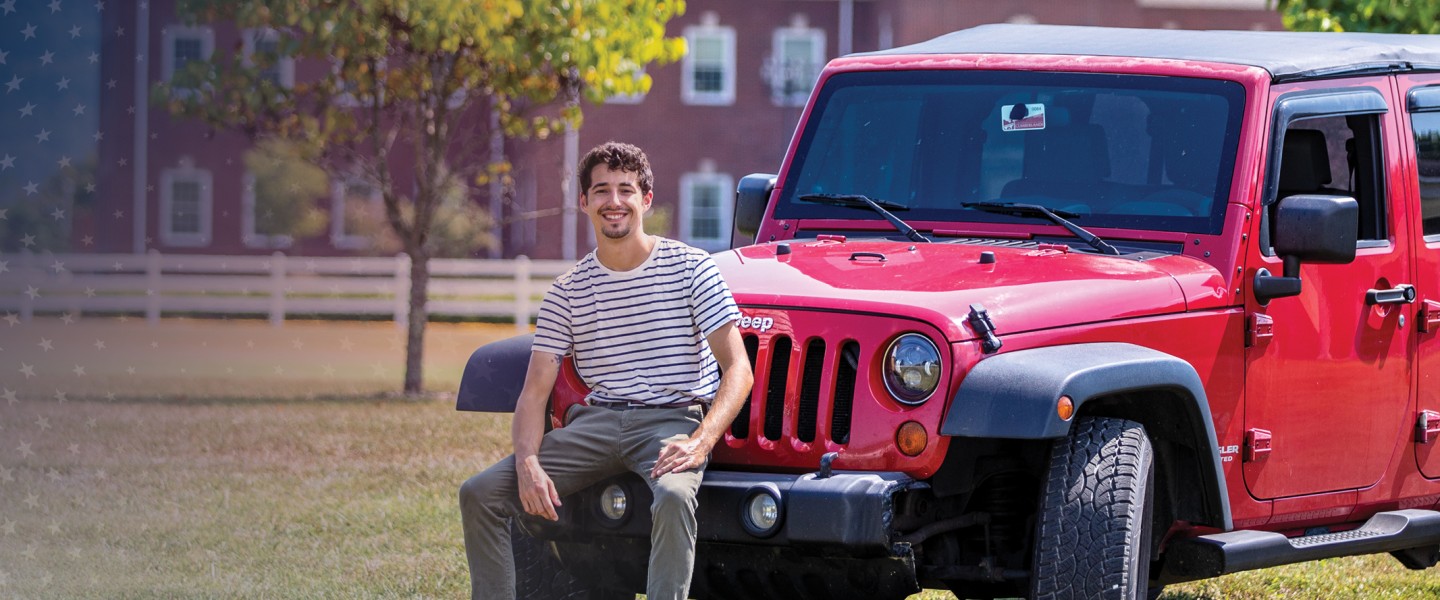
pixel 1422 94
pixel 1328 372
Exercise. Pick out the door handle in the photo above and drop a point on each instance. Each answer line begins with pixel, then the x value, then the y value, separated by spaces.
pixel 1400 294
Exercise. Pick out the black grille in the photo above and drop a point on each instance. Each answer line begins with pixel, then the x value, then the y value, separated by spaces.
pixel 810 390
pixel 775 387
pixel 844 392
pixel 741 427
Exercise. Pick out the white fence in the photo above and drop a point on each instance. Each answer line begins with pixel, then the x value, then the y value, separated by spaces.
pixel 276 286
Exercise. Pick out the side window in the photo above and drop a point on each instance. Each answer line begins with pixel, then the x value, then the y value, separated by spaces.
pixel 262 47
pixel 184 45
pixel 706 205
pixel 1427 158
pixel 1338 156
pixel 796 55
pixel 708 68
pixel 356 211
pixel 185 206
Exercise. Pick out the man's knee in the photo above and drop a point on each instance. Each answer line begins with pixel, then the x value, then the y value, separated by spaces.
pixel 674 493
pixel 478 492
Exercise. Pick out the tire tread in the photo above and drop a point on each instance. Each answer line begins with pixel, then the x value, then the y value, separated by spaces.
pixel 1093 499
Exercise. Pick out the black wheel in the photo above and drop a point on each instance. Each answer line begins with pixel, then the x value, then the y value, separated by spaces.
pixel 1094 533
pixel 540 576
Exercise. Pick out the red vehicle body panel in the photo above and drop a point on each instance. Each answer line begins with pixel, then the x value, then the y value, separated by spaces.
pixel 1024 289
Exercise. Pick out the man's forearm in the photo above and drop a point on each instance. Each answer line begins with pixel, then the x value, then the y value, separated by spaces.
pixel 734 391
pixel 528 425
pixel 527 428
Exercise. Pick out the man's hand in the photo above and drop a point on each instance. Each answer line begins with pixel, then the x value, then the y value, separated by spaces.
pixel 735 382
pixel 682 455
pixel 537 491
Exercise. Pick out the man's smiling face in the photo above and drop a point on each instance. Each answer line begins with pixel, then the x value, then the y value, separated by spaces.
pixel 614 202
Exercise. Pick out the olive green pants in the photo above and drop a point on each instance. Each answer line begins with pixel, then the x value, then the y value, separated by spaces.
pixel 596 444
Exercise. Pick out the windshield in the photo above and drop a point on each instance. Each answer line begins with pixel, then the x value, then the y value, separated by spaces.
pixel 1125 151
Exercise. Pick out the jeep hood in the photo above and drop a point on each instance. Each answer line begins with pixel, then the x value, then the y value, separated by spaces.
pixel 1027 288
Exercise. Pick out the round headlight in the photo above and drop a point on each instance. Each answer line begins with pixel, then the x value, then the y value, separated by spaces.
pixel 912 368
pixel 762 513
pixel 613 502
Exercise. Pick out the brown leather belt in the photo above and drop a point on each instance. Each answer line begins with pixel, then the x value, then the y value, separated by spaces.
pixel 622 405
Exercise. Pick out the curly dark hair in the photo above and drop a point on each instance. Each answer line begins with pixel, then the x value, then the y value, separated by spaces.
pixel 618 157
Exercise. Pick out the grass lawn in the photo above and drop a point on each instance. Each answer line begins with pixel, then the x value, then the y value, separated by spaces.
pixel 231 459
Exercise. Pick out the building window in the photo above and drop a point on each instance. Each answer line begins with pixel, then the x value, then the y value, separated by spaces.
pixel 277 69
pixel 185 206
pixel 356 213
pixel 259 228
pixel 706 207
pixel 709 66
pixel 184 45
pixel 797 54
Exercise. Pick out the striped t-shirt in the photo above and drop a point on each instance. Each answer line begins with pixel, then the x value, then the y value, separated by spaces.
pixel 638 336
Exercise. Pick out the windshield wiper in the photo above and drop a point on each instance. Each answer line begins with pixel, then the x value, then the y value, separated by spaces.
pixel 1055 216
pixel 863 201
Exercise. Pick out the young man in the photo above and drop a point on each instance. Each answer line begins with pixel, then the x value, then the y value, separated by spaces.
pixel 650 325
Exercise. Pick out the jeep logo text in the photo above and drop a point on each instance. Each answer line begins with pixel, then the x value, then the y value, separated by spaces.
pixel 761 324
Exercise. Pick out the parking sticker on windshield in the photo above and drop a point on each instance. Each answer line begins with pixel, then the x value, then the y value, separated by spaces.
pixel 1022 117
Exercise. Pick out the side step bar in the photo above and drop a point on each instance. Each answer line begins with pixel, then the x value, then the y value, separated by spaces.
pixel 1235 551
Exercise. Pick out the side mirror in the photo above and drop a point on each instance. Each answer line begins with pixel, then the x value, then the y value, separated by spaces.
pixel 1312 229
pixel 751 196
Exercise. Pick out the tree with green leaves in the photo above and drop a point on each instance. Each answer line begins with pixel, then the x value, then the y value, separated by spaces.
pixel 412 80
pixel 1378 16
pixel 285 183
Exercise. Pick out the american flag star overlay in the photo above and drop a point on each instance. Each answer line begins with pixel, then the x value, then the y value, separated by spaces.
pixel 50 95
pixel 96 404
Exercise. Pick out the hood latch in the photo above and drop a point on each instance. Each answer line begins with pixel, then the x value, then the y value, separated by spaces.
pixel 980 322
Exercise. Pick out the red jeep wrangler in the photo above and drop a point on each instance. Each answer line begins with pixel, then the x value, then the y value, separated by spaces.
pixel 1065 312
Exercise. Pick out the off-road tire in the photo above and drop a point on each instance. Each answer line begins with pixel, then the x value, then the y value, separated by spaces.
pixel 540 576
pixel 1093 539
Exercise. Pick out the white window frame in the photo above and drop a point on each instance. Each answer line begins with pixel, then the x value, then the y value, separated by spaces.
pixel 778 59
pixel 168 179
pixel 726 185
pixel 338 236
pixel 248 235
pixel 285 65
pixel 726 95
pixel 174 33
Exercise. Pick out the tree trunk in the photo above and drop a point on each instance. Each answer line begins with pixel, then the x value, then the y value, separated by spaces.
pixel 418 317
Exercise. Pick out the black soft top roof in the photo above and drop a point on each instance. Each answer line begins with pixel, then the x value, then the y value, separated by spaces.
pixel 1287 55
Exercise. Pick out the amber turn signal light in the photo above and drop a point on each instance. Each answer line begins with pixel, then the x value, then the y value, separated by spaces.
pixel 911 438
pixel 1065 408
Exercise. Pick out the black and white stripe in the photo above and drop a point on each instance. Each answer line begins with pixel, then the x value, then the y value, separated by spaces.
pixel 639 335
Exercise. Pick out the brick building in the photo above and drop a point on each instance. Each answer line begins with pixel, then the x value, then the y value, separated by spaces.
pixel 726 110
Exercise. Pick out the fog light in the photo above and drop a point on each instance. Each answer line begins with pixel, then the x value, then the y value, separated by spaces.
pixel 911 438
pixel 762 513
pixel 613 502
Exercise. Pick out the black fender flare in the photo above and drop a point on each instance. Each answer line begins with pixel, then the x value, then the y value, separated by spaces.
pixel 494 376
pixel 1013 396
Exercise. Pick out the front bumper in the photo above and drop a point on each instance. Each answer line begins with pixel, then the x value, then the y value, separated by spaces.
pixel 834 538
